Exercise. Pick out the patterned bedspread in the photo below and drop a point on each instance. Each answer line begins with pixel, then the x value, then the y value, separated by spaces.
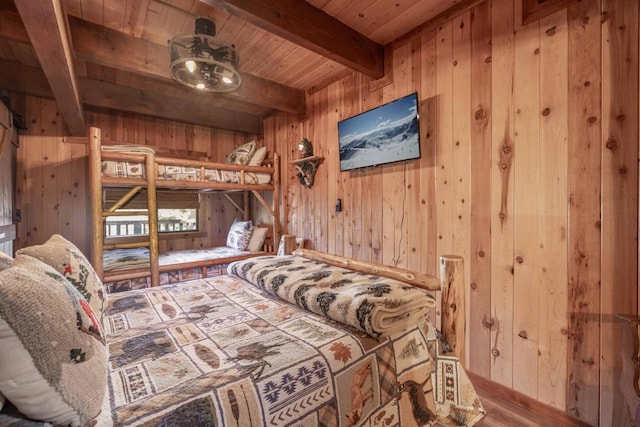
pixel 221 351
pixel 125 259
pixel 181 173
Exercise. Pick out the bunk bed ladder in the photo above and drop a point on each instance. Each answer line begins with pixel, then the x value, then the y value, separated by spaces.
pixel 99 214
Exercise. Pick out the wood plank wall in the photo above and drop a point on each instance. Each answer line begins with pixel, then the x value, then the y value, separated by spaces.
pixel 529 170
pixel 52 188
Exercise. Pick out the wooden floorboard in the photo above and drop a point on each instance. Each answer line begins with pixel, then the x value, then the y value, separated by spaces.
pixel 508 408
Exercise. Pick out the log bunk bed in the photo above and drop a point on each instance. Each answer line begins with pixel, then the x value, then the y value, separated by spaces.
pixel 204 176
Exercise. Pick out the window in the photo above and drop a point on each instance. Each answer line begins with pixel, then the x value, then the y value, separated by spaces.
pixel 178 212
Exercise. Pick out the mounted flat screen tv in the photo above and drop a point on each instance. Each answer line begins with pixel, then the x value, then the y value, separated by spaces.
pixel 386 134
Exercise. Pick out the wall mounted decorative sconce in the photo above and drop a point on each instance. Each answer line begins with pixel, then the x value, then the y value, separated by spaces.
pixel 307 164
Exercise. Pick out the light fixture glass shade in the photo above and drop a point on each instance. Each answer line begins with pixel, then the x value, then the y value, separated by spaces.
pixel 202 61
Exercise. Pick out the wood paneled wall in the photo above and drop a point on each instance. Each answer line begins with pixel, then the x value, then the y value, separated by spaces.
pixel 529 170
pixel 52 187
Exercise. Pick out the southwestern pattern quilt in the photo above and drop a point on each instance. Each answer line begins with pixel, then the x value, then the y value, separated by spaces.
pixel 121 169
pixel 130 258
pixel 223 352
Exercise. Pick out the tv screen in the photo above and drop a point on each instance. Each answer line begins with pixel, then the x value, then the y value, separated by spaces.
pixel 388 133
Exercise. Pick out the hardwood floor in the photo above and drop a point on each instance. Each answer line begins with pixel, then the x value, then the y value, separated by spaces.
pixel 508 408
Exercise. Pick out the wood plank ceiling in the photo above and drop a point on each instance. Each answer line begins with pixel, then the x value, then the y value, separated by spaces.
pixel 113 53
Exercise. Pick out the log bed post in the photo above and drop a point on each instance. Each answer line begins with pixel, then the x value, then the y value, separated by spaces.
pixel 450 282
pixel 453 303
pixel 152 205
pixel 276 198
pixel 95 173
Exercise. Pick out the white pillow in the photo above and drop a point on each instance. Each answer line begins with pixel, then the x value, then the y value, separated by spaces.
pixel 257 239
pixel 258 156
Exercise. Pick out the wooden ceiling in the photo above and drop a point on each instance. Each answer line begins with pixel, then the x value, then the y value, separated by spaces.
pixel 113 53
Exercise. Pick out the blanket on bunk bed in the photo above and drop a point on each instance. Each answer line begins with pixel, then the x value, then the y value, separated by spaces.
pixel 224 351
pixel 126 169
pixel 125 259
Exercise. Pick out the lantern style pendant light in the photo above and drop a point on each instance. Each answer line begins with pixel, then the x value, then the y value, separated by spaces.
pixel 202 61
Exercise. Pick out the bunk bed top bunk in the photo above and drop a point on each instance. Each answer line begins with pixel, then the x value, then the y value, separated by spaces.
pixel 138 167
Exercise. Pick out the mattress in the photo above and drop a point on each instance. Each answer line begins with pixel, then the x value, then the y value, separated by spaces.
pixel 125 259
pixel 221 351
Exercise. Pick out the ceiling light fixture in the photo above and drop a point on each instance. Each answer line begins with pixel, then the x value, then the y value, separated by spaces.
pixel 202 61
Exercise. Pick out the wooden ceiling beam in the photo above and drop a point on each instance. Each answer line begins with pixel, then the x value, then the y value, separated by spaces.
pixel 32 81
pixel 312 28
pixel 116 97
pixel 47 27
pixel 95 43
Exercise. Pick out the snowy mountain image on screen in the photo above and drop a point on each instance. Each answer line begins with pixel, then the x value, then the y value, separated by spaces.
pixel 387 134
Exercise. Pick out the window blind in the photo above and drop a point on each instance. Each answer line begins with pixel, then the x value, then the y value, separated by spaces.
pixel 166 199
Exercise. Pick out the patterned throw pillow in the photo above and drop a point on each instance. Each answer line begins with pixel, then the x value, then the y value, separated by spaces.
pixel 53 360
pixel 5 261
pixel 239 235
pixel 242 154
pixel 67 259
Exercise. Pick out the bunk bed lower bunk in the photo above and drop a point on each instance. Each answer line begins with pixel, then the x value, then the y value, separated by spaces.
pixel 138 169
pixel 127 269
pixel 309 339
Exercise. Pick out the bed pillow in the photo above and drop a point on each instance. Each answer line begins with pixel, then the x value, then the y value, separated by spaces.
pixel 242 154
pixel 257 239
pixel 258 157
pixel 5 261
pixel 69 261
pixel 53 360
pixel 239 235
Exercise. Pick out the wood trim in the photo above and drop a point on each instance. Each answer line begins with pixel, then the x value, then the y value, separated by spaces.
pixel 510 397
pixel 533 10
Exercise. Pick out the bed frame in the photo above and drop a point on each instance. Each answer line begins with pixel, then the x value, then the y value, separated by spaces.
pixel 450 282
pixel 151 183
